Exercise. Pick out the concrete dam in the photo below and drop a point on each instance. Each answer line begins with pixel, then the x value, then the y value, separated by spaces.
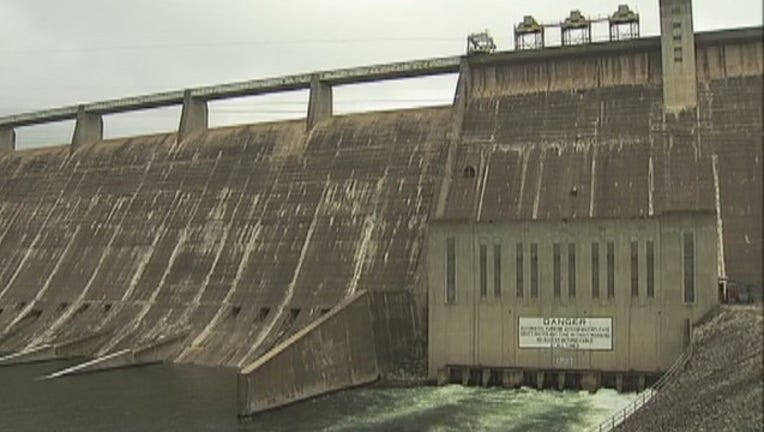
pixel 295 250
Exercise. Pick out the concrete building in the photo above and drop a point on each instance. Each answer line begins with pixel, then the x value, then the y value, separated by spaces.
pixel 567 303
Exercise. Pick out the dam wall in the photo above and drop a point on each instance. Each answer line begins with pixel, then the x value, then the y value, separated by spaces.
pixel 237 238
pixel 243 234
pixel 586 135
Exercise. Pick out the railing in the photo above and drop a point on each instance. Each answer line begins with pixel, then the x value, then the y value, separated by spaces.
pixel 621 415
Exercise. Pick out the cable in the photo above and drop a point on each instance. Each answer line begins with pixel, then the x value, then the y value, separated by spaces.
pixel 230 44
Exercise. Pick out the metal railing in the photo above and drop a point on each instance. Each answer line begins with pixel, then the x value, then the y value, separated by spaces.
pixel 621 415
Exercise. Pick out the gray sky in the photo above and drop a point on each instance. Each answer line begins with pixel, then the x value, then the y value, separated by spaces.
pixel 55 52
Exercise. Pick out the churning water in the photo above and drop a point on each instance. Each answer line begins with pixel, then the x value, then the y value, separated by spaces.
pixel 182 398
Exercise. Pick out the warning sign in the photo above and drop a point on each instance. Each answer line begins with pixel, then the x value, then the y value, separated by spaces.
pixel 566 333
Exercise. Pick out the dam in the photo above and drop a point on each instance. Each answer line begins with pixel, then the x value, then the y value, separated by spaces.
pixel 296 251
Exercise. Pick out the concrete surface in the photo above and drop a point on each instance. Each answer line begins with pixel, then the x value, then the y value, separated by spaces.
pixel 7 139
pixel 88 129
pixel 678 56
pixel 648 332
pixel 320 104
pixel 334 352
pixel 194 117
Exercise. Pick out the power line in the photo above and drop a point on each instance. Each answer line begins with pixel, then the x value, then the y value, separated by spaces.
pixel 159 46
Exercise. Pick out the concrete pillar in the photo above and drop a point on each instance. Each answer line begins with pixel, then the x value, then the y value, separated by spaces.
pixel 486 377
pixel 511 378
pixel 678 56
pixel 88 129
pixel 539 380
pixel 194 117
pixel 466 376
pixel 320 105
pixel 560 380
pixel 7 139
pixel 641 382
pixel 619 382
pixel 591 381
pixel 444 376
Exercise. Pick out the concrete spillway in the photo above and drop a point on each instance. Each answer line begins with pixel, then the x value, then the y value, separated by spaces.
pixel 245 234
pixel 229 241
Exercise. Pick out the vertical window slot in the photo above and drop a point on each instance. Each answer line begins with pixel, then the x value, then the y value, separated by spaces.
pixel 571 270
pixel 689 267
pixel 650 252
pixel 519 269
pixel 556 270
pixel 634 269
pixel 534 270
pixel 610 269
pixel 497 270
pixel 595 270
pixel 483 271
pixel 451 270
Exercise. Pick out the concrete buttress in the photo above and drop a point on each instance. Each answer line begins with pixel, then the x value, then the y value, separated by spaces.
pixel 194 117
pixel 320 103
pixel 88 129
pixel 7 139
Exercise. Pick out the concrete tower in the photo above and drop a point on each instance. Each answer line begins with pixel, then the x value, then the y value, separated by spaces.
pixel 678 54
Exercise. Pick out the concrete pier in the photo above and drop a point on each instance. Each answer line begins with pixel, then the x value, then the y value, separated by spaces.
pixel 486 377
pixel 7 139
pixel 511 378
pixel 539 380
pixel 619 382
pixel 194 117
pixel 88 129
pixel 466 375
pixel 560 380
pixel 591 381
pixel 320 104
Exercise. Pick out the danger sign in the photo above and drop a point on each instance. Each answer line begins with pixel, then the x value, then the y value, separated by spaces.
pixel 566 333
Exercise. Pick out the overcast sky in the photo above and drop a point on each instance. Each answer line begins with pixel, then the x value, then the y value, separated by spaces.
pixel 56 52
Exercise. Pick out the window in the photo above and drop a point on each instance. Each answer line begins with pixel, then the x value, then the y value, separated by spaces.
pixel 534 270
pixel 556 270
pixel 519 269
pixel 610 269
pixel 497 270
pixel 634 269
pixel 650 268
pixel 595 270
pixel 483 271
pixel 451 270
pixel 571 269
pixel 689 267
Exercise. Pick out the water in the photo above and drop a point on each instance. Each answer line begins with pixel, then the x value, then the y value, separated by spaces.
pixel 185 398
